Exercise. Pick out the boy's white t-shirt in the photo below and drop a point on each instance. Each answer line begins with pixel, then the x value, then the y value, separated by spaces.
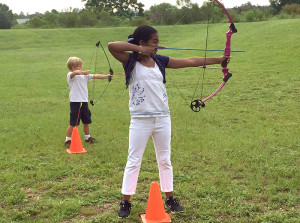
pixel 78 87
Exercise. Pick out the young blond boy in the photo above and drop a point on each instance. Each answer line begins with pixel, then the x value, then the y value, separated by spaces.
pixel 77 80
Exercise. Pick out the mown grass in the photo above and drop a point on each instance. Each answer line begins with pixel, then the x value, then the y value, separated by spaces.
pixel 236 161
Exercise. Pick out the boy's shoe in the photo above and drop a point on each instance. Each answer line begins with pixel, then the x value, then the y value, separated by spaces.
pixel 67 143
pixel 90 140
pixel 173 204
pixel 124 209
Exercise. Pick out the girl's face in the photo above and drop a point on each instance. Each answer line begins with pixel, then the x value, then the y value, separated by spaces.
pixel 152 42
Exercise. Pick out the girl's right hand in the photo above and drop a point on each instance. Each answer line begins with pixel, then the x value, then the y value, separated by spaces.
pixel 147 50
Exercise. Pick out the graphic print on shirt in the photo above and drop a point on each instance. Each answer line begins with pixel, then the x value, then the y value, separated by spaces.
pixel 165 98
pixel 138 95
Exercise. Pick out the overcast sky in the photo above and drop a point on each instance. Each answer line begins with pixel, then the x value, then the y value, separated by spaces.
pixel 33 6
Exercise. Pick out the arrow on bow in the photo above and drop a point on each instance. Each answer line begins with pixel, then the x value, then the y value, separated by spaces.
pixel 172 48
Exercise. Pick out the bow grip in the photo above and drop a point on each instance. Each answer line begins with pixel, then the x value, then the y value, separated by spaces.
pixel 111 72
pixel 224 63
pixel 227 47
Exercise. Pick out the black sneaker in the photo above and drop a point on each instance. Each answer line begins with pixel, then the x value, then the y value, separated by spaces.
pixel 91 140
pixel 67 143
pixel 124 210
pixel 173 204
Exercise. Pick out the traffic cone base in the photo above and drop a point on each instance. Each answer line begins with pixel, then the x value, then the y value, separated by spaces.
pixel 165 220
pixel 82 151
pixel 76 145
pixel 155 212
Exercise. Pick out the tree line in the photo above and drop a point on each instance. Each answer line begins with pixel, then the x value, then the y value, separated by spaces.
pixel 102 13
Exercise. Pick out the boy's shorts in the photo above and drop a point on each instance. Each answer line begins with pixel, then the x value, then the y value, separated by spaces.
pixel 85 113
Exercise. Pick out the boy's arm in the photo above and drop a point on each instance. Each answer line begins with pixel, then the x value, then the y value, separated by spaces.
pixel 79 72
pixel 196 61
pixel 100 76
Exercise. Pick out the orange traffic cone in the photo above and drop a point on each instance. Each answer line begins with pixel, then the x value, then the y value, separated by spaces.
pixel 155 211
pixel 76 145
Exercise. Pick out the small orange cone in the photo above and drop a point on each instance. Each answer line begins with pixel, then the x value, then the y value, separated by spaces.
pixel 155 211
pixel 76 145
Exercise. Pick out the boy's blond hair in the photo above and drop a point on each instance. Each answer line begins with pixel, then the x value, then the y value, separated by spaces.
pixel 73 62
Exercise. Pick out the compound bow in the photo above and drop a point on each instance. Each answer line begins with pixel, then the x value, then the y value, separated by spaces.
pixel 111 72
pixel 198 103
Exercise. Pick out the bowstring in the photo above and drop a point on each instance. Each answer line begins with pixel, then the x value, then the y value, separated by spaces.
pixel 110 71
pixel 90 65
pixel 205 57
pixel 95 68
pixel 105 55
pixel 173 27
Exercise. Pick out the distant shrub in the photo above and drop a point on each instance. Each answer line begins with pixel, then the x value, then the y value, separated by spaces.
pixel 69 19
pixel 268 13
pixel 259 15
pixel 20 26
pixel 36 22
pixel 164 14
pixel 286 16
pixel 234 15
pixel 291 9
pixel 249 16
pixel 87 19
pixel 139 21
pixel 254 15
pixel 105 19
pixel 51 20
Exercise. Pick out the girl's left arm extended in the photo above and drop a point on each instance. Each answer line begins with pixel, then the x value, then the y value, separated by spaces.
pixel 196 61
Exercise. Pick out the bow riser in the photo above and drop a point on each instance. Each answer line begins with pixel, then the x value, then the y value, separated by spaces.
pixel 228 43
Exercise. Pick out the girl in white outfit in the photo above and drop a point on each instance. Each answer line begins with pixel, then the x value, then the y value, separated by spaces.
pixel 149 110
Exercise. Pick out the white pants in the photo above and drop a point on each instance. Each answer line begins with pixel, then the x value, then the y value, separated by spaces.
pixel 139 132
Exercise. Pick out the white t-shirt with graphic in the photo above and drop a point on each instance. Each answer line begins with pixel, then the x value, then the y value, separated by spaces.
pixel 78 87
pixel 147 92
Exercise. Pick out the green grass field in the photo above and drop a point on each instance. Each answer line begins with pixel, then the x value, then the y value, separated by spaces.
pixel 235 161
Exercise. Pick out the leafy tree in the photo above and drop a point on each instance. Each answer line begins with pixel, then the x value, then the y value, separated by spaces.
pixel 87 18
pixel 7 18
pixel 244 7
pixel 54 11
pixel 164 14
pixel 105 19
pixel 69 19
pixel 21 15
pixel 278 4
pixel 51 19
pixel 234 15
pixel 212 12
pixel 250 16
pixel 36 22
pixel 121 8
pixel 254 15
pixel 186 3
pixel 189 14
